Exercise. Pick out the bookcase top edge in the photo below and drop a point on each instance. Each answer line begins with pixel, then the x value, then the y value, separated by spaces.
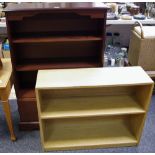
pixel 92 77
pixel 55 6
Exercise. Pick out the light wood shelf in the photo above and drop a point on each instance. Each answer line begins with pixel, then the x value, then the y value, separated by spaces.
pixel 89 106
pixel 92 108
pixel 87 133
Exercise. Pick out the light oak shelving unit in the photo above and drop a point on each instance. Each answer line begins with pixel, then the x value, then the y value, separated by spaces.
pixel 92 108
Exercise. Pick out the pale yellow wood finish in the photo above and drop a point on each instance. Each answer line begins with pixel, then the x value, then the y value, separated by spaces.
pixel 89 106
pixel 5 73
pixel 87 132
pixel 5 88
pixel 92 111
pixel 89 77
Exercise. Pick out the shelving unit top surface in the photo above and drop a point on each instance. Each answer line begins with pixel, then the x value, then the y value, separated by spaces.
pixel 91 77
pixel 5 72
pixel 55 6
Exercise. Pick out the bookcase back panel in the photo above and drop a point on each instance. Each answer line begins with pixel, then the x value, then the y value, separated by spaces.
pixel 27 79
pixel 68 50
pixel 98 91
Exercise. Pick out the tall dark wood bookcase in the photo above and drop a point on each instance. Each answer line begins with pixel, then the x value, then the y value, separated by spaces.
pixel 51 36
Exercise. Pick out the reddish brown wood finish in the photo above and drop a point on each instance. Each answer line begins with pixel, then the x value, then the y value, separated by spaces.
pixel 49 36
pixel 56 39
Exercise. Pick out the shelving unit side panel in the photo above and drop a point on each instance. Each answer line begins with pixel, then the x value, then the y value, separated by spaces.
pixel 144 94
pixel 136 124
pixel 144 97
pixel 41 125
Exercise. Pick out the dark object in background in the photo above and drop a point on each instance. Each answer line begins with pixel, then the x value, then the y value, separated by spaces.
pixel 109 39
pixel 134 10
pixel 116 39
pixel 142 6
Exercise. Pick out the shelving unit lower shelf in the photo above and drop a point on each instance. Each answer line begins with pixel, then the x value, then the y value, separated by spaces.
pixel 86 133
pixel 86 108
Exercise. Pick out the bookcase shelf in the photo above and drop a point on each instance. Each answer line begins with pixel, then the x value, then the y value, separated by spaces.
pixel 89 106
pixel 43 36
pixel 39 65
pixel 93 107
pixel 87 133
pixel 57 39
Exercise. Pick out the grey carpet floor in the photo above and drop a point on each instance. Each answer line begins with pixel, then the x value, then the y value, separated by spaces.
pixel 29 141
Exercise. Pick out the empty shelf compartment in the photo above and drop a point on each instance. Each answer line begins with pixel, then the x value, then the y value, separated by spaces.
pixel 91 132
pixel 89 106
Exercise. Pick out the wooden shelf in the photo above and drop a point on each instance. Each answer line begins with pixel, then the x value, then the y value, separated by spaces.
pixel 56 39
pixel 89 106
pixel 55 65
pixel 87 133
